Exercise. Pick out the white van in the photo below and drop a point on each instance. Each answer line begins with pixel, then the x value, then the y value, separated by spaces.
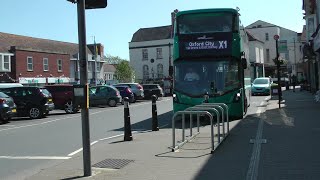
pixel 8 85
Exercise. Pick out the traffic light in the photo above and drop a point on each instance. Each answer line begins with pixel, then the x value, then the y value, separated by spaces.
pixel 93 4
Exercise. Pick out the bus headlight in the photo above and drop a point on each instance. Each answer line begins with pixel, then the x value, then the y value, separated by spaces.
pixel 206 98
pixel 237 97
pixel 175 98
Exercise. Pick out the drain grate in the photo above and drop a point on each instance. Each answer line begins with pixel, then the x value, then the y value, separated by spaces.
pixel 113 163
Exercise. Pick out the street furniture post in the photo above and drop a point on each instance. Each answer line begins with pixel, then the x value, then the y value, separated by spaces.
pixel 155 126
pixel 127 123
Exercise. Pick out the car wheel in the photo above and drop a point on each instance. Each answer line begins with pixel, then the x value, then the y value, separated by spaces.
pixel 3 119
pixel 112 103
pixel 69 108
pixel 46 113
pixel 133 100
pixel 35 113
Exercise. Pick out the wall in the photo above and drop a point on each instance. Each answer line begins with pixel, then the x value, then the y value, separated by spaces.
pixel 260 33
pixel 21 64
pixel 137 62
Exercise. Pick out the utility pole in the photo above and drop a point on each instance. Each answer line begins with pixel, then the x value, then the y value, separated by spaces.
pixel 95 59
pixel 81 6
pixel 84 82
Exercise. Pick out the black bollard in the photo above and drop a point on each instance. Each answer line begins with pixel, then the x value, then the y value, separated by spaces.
pixel 127 123
pixel 155 126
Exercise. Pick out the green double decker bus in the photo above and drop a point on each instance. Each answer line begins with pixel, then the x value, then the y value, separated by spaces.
pixel 209 61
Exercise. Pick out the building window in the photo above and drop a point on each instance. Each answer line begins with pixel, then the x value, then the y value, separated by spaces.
pixel 159 53
pixel 268 55
pixel 59 62
pixel 145 72
pixel 310 27
pixel 267 36
pixel 45 64
pixel 29 64
pixel 89 66
pixel 144 54
pixel 98 67
pixel 160 70
pixel 5 63
pixel 283 46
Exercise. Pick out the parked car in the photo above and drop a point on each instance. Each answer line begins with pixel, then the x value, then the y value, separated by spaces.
pixel 136 88
pixel 104 95
pixel 125 91
pixel 8 108
pixel 62 95
pixel 152 89
pixel 8 85
pixel 31 101
pixel 261 86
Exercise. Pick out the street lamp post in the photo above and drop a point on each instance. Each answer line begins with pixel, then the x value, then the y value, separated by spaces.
pixel 276 37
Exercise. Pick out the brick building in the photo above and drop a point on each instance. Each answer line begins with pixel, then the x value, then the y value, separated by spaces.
pixel 35 61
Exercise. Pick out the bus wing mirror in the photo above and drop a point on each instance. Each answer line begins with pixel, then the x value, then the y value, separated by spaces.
pixel 244 63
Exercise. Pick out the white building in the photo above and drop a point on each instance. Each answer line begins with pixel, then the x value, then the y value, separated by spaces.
pixel 288 45
pixel 256 56
pixel 151 53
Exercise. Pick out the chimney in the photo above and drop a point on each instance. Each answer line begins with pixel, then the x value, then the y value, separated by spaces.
pixel 173 17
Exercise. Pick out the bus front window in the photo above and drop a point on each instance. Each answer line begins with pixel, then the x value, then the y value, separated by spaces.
pixel 197 77
pixel 205 23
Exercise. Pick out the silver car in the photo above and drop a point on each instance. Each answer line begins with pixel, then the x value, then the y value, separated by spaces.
pixel 136 88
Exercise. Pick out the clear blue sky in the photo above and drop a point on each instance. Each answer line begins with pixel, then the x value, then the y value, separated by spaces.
pixel 115 25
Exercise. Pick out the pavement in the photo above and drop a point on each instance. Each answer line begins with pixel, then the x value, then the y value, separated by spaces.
pixel 269 143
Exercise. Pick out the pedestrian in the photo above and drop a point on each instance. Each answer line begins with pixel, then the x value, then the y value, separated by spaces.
pixel 294 81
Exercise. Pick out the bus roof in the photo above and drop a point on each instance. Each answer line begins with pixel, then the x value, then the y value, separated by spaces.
pixel 218 10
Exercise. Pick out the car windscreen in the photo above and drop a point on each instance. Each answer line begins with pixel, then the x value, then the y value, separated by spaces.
pixel 260 81
pixel 3 95
pixel 45 91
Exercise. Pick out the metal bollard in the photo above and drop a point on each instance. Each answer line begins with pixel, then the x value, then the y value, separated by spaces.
pixel 127 123
pixel 155 126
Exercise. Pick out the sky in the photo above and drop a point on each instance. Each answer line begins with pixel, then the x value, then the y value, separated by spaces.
pixel 115 25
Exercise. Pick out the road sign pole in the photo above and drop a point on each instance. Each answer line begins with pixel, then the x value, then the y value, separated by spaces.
pixel 83 81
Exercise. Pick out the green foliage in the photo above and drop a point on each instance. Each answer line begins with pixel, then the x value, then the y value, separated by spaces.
pixel 124 72
pixel 113 59
pixel 281 61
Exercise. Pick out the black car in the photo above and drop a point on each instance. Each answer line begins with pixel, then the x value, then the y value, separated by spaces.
pixel 152 89
pixel 104 95
pixel 8 108
pixel 34 102
pixel 125 91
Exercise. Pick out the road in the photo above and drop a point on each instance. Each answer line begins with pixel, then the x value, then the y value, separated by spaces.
pixel 28 146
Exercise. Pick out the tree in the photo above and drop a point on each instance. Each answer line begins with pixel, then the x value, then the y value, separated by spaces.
pixel 113 59
pixel 124 72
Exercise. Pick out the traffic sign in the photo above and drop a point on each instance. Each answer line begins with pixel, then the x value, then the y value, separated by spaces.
pixel 276 37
